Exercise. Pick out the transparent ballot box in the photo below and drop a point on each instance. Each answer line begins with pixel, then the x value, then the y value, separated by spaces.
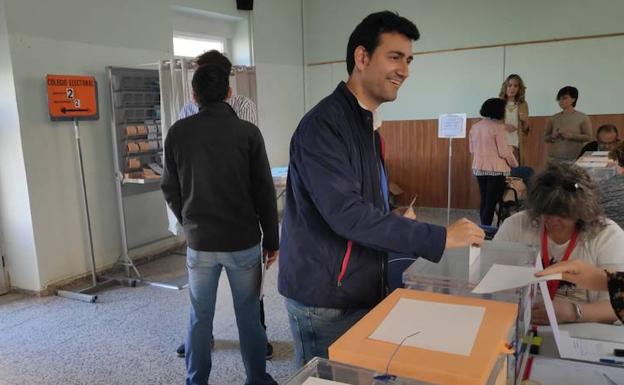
pixel 597 165
pixel 320 371
pixel 456 275
pixel 436 338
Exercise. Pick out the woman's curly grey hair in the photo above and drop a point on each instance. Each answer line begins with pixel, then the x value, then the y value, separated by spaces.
pixel 568 191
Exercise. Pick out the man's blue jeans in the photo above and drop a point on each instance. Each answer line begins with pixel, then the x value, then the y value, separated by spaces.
pixel 315 328
pixel 243 269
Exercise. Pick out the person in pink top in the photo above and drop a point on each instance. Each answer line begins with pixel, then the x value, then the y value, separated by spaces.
pixel 492 157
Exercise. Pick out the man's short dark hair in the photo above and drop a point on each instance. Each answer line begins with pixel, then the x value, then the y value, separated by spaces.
pixel 210 84
pixel 367 33
pixel 570 91
pixel 493 108
pixel 215 57
pixel 607 128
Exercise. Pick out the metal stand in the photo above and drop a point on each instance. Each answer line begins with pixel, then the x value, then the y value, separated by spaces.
pixel 448 193
pixel 119 120
pixel 87 294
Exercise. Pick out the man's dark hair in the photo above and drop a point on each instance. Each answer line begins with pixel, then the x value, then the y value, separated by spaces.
pixel 215 57
pixel 493 108
pixel 570 91
pixel 606 128
pixel 367 33
pixel 210 84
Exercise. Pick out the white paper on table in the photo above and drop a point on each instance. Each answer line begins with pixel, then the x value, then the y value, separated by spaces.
pixel 321 381
pixel 554 371
pixel 575 348
pixel 595 331
pixel 442 327
pixel 504 277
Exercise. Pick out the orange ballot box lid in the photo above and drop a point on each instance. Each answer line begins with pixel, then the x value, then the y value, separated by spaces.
pixel 445 339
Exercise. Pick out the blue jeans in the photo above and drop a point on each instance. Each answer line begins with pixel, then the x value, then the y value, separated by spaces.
pixel 244 273
pixel 315 328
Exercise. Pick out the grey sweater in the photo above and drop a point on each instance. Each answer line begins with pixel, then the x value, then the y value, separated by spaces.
pixel 576 126
pixel 612 200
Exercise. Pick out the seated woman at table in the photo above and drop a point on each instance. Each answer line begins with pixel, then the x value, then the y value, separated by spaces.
pixel 612 189
pixel 565 222
pixel 591 277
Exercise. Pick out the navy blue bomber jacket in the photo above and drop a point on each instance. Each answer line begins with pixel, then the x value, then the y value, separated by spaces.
pixel 335 234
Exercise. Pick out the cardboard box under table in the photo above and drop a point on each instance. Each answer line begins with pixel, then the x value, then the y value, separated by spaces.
pixel 454 340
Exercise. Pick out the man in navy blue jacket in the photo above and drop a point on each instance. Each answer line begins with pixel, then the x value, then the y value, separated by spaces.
pixel 337 227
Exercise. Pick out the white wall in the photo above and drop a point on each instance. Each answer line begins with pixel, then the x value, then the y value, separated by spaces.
pixel 40 191
pixel 15 218
pixel 279 73
pixel 459 81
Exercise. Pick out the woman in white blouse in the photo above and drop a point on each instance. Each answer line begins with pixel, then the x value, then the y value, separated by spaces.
pixel 564 221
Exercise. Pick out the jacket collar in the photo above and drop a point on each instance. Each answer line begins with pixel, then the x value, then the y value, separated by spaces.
pixel 217 109
pixel 343 91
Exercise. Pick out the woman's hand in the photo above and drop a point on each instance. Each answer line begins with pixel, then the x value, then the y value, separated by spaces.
pixel 579 273
pixel 564 311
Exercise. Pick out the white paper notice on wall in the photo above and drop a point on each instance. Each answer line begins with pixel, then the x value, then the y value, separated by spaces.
pixel 321 381
pixel 436 325
pixel 452 125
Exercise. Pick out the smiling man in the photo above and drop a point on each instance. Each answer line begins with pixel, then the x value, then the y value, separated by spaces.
pixel 338 227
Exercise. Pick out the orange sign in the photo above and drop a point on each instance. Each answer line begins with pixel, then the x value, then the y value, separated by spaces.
pixel 72 97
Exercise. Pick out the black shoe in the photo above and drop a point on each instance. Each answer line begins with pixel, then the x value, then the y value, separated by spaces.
pixel 269 353
pixel 180 350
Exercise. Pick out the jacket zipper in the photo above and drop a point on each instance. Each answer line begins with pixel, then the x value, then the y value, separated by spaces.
pixel 377 163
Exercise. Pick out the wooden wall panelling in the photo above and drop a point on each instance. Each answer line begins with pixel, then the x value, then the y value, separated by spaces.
pixel 418 161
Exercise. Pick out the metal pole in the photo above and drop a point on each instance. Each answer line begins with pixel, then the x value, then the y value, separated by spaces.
pixel 448 194
pixel 85 202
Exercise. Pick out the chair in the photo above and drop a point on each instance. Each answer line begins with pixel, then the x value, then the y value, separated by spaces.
pixel 510 202
pixel 514 194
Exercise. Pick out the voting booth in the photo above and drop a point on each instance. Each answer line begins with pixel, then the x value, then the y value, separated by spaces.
pixel 460 271
pixel 436 338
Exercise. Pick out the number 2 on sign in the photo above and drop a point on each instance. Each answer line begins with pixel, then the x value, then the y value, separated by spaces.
pixel 70 93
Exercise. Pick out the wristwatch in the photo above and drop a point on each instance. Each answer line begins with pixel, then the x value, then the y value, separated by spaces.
pixel 579 313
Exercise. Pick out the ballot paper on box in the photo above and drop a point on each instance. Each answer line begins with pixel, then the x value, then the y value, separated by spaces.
pixel 505 277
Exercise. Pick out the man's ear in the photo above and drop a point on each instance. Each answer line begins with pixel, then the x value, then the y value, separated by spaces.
pixel 194 96
pixel 229 93
pixel 361 57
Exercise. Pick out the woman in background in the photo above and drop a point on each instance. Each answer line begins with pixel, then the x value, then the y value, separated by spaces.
pixel 568 129
pixel 492 156
pixel 516 113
